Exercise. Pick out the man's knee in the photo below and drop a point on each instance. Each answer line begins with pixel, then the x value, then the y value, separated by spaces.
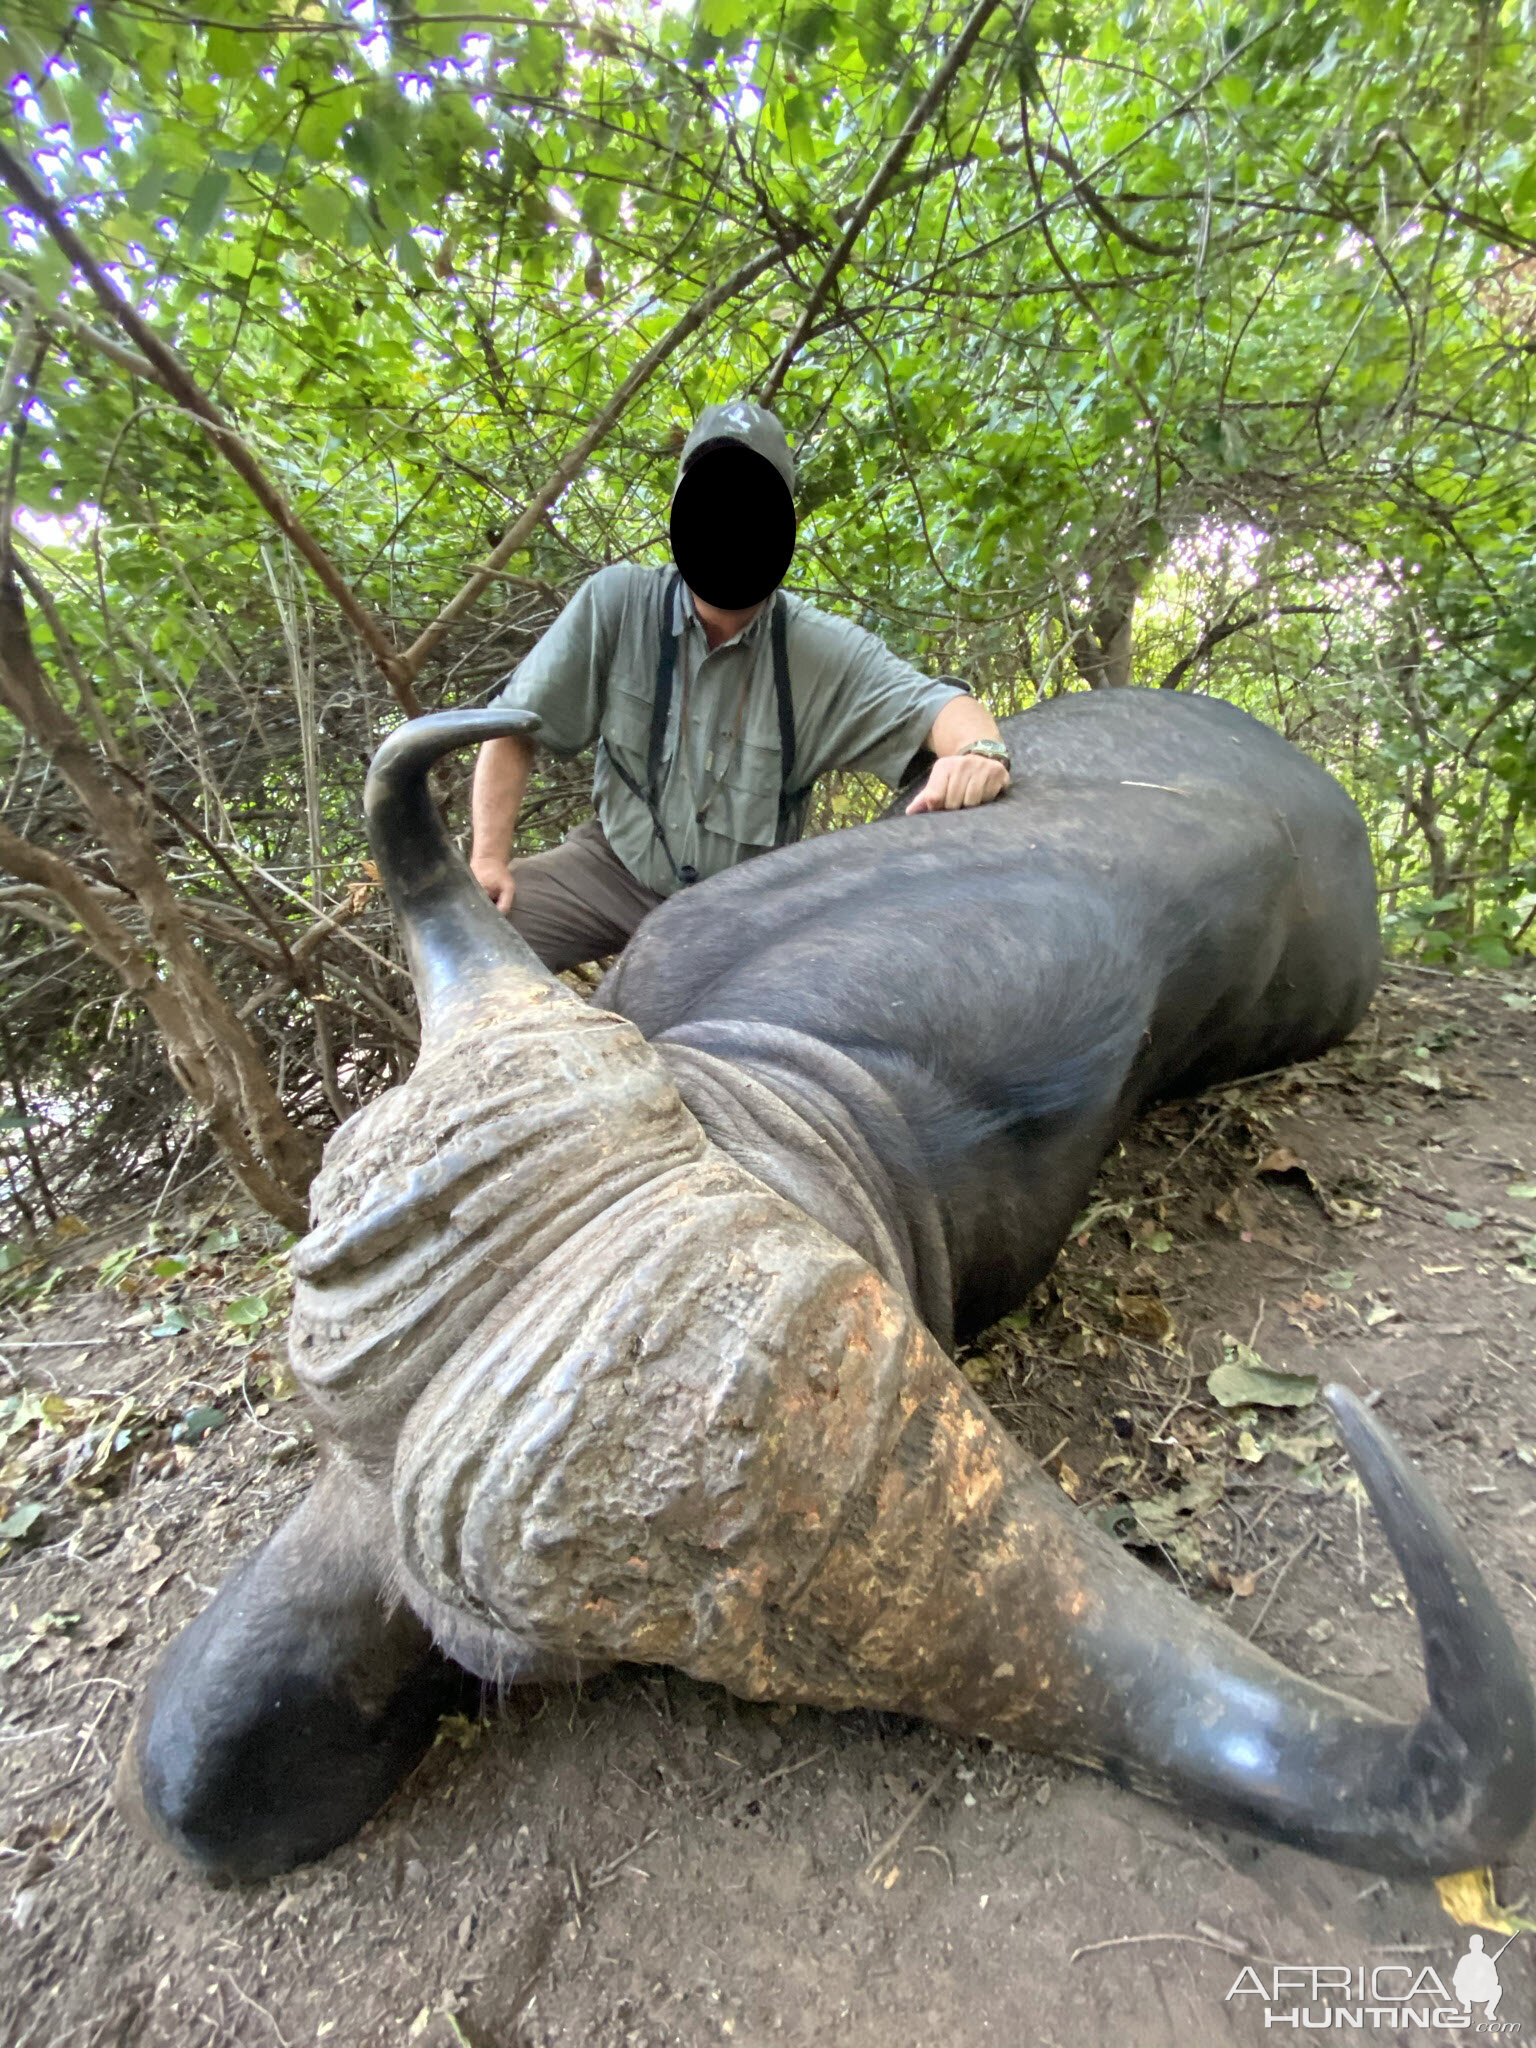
pixel 556 940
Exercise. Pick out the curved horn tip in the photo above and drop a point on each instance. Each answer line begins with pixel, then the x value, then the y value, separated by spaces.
pixel 1481 1727
pixel 418 742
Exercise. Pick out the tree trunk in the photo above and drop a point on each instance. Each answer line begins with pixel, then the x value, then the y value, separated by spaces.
pixel 1101 643
pixel 212 1055
pixel 1102 648
pixel 1421 791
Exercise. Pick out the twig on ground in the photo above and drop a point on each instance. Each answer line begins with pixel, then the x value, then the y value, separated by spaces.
pixel 1302 1547
pixel 872 1867
pixel 933 1849
pixel 1217 1116
pixel 607 1872
pixel 240 1992
pixel 1227 1948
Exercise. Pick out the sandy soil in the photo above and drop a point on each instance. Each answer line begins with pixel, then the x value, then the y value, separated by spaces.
pixel 648 1862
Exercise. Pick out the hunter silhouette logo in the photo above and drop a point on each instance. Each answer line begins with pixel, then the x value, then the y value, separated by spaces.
pixel 1475 1979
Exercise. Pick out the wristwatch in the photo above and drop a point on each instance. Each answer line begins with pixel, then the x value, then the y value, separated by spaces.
pixel 989 750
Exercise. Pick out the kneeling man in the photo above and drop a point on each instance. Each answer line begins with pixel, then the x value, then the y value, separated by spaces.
pixel 715 701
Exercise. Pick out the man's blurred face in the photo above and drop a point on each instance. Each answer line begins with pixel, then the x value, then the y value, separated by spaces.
pixel 732 527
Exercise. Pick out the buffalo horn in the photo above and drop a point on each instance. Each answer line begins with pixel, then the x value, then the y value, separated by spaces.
pixel 1222 1730
pixel 455 938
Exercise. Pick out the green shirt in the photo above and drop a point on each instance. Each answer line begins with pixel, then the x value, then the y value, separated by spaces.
pixel 593 674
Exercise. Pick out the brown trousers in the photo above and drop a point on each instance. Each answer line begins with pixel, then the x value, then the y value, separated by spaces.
pixel 577 902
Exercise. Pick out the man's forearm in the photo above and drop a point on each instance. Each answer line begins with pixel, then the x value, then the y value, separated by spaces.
pixel 501 778
pixel 962 720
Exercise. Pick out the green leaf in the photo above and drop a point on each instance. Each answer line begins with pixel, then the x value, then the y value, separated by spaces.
pixel 198 1423
pixel 1168 1521
pixel 1462 1219
pixel 440 39
pixel 1522 1191
pixel 144 194
pixel 248 1312
pixel 232 55
pixel 365 147
pixel 1243 1380
pixel 116 1264
pixel 1306 1447
pixel 321 123
pixel 600 203
pixel 412 262
pixel 1101 1212
pixel 205 205
pixel 200 98
pixel 87 129
pixel 722 17
pixel 21 1521
pixel 57 1621
pixel 267 160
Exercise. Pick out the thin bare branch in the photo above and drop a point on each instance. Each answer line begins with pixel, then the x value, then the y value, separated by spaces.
pixel 211 1054
pixel 875 191
pixel 172 374
pixel 21 293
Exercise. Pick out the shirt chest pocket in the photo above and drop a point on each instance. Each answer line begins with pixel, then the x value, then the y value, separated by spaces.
pixel 743 796
pixel 626 723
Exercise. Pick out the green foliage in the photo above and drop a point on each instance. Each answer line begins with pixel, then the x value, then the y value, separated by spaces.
pixel 1213 328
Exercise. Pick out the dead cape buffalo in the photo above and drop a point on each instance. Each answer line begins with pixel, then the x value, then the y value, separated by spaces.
pixel 625 1325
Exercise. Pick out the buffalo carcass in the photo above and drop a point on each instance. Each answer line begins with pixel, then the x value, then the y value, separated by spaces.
pixel 625 1324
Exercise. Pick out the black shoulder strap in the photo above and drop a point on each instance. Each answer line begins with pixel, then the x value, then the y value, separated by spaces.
pixel 790 798
pixel 650 796
pixel 778 627
pixel 661 702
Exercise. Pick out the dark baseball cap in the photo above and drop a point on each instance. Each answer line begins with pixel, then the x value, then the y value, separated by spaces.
pixel 732 523
pixel 751 426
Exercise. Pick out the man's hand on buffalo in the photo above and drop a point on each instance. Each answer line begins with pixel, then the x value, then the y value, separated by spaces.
pixel 501 778
pixel 962 777
pixel 959 782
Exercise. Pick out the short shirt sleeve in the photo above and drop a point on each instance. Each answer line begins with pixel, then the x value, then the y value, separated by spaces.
pixel 865 708
pixel 563 678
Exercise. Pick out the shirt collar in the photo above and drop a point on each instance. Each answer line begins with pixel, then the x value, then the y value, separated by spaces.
pixel 684 614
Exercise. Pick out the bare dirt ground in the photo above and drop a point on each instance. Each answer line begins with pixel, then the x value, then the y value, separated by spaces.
pixel 648 1862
